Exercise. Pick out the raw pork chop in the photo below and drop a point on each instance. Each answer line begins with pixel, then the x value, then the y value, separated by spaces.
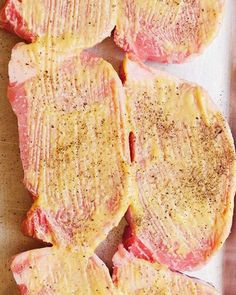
pixel 167 31
pixel 70 114
pixel 52 271
pixel 184 157
pixel 87 21
pixel 135 276
pixel 61 271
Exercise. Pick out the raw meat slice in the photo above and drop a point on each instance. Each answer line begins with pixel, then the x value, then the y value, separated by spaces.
pixel 73 146
pixel 58 271
pixel 136 276
pixel 87 21
pixel 167 31
pixel 184 157
pixel 53 271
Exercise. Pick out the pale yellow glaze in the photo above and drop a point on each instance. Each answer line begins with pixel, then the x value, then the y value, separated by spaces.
pixel 185 164
pixel 61 271
pixel 77 148
pixel 139 277
pixel 88 22
pixel 173 29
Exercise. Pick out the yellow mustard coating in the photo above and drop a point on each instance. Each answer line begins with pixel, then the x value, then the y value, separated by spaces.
pixel 184 161
pixel 77 145
pixel 167 30
pixel 87 22
pixel 147 278
pixel 65 272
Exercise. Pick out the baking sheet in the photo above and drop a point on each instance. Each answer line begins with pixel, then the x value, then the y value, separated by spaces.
pixel 212 70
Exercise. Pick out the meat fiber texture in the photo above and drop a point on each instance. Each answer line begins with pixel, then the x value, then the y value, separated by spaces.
pixel 81 22
pixel 77 129
pixel 167 31
pixel 159 225
pixel 184 159
pixel 62 272
pixel 152 278
pixel 73 146
pixel 70 111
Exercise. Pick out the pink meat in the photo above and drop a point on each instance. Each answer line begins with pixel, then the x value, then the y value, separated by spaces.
pixel 184 158
pixel 87 22
pixel 137 276
pixel 167 31
pixel 52 271
pixel 11 20
pixel 72 141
